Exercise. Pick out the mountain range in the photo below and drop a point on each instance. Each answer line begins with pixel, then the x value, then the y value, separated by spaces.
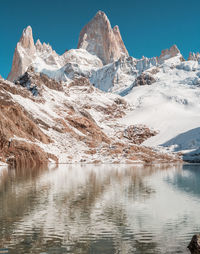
pixel 97 104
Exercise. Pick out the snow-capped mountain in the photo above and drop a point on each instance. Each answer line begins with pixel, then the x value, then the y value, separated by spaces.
pixel 161 94
pixel 45 60
pixel 89 60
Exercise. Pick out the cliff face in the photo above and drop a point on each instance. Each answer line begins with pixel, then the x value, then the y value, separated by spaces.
pixel 98 38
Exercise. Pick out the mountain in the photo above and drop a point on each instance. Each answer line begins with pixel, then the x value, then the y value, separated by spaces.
pixel 44 120
pixel 74 101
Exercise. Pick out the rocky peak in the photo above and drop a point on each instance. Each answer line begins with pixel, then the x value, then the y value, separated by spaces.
pixel 102 16
pixel 38 45
pixel 99 39
pixel 24 54
pixel 169 53
pixel 26 41
pixel 193 56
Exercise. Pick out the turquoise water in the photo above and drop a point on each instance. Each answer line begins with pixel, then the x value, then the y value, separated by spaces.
pixel 103 209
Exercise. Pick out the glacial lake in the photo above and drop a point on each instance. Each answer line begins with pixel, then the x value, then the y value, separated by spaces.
pixel 103 209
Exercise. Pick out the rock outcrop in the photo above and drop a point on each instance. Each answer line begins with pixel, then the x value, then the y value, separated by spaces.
pixel 138 133
pixel 98 38
pixel 35 81
pixel 144 79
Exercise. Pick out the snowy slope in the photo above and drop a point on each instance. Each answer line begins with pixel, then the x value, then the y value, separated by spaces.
pixel 171 106
pixel 73 63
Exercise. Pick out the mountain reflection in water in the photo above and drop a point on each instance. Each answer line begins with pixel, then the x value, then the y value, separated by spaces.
pixel 100 209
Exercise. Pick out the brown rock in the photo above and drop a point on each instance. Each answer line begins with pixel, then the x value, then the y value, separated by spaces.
pixel 18 131
pixel 138 134
pixel 98 38
pixel 94 135
pixel 15 121
pixel 25 155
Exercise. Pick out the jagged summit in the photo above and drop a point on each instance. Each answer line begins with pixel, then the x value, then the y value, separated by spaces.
pixel 26 39
pixel 169 53
pixel 38 44
pixel 101 14
pixel 98 38
pixel 193 56
pixel 24 54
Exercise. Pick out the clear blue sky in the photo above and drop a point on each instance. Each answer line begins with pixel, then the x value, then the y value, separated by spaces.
pixel 147 26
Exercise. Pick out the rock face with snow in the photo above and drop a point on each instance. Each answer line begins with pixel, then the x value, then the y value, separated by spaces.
pixel 119 76
pixel 98 38
pixel 24 54
pixel 169 53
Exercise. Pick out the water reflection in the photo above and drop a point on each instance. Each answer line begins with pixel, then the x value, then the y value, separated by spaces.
pixel 99 209
pixel 187 180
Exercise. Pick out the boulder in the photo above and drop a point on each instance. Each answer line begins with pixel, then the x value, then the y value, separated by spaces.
pixel 194 245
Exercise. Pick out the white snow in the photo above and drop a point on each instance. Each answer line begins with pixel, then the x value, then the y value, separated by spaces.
pixel 171 106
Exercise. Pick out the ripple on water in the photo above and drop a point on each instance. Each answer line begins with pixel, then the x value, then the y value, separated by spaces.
pixel 102 209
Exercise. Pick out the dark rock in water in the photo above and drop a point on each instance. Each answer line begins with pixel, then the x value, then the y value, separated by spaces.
pixel 194 245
